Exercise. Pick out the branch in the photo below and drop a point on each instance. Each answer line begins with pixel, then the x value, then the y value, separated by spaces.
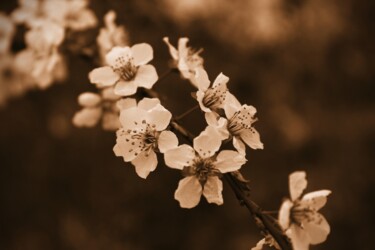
pixel 267 224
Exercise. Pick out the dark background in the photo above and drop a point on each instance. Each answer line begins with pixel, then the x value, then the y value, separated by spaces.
pixel 308 68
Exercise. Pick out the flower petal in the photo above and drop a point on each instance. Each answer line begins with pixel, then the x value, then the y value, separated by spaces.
pixel 126 88
pixel 231 105
pixel 130 118
pixel 117 52
pixel 179 157
pixel 182 47
pixel 200 96
pixel 316 200
pixel 142 53
pixel 318 229
pixel 126 103
pixel 211 118
pixel 87 117
pixel 284 214
pixel 103 76
pixel 159 117
pixel 146 76
pixel 189 192
pixel 110 121
pixel 229 161
pixel 299 237
pixel 297 183
pixel 127 147
pixel 239 145
pixel 89 99
pixel 221 81
pixel 167 140
pixel 172 50
pixel 252 138
pixel 212 190
pixel 207 143
pixel 201 78
pixel 145 163
pixel 148 103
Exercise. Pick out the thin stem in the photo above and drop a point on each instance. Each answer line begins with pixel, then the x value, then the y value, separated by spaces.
pixel 179 117
pixel 266 223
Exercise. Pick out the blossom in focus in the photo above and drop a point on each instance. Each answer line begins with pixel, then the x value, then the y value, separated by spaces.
pixel 143 133
pixel 127 70
pixel 211 98
pixel 111 35
pixel 202 168
pixel 238 124
pixel 71 14
pixel 186 59
pixel 98 106
pixel 299 216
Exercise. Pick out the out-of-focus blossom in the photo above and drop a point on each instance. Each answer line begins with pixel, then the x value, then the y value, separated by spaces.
pixel 111 35
pixel 127 70
pixel 300 217
pixel 143 133
pixel 12 82
pixel 28 12
pixel 41 59
pixel 211 98
pixel 7 30
pixel 71 14
pixel 203 168
pixel 98 106
pixel 185 59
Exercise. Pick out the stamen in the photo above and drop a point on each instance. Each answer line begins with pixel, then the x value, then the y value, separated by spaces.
pixel 125 68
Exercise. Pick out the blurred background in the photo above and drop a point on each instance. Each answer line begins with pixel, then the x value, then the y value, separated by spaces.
pixel 306 65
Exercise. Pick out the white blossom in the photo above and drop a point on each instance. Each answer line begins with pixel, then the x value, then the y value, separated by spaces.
pixel 211 99
pixel 111 35
pixel 203 168
pixel 71 14
pixel 127 70
pixel 142 133
pixel 41 60
pixel 186 59
pixel 238 124
pixel 299 216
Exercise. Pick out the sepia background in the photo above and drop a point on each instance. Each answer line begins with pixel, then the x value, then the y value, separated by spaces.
pixel 306 65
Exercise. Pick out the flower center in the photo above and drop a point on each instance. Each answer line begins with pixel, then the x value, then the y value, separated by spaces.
pixel 202 169
pixel 240 121
pixel 143 139
pixel 125 68
pixel 214 98
pixel 300 213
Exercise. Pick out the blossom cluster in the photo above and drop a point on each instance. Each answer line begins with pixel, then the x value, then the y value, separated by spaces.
pixel 145 128
pixel 125 102
pixel 41 63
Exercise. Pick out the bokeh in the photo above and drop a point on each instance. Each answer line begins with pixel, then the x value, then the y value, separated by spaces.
pixel 306 65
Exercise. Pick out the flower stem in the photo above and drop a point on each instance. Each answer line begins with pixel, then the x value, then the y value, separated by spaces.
pixel 179 117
